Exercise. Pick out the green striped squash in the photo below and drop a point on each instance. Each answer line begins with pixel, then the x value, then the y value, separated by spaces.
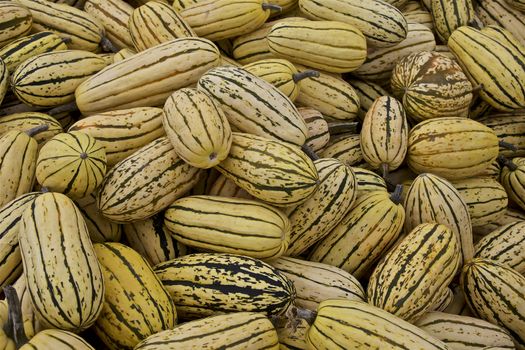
pixel 242 330
pixel 317 282
pixel 501 83
pixel 380 62
pixel 100 229
pixel 384 134
pixel 346 148
pixel 16 52
pixel 152 239
pixel 508 127
pixel 229 225
pixel 15 21
pixel 463 332
pixel 431 85
pixel 253 105
pixel 145 183
pixel 84 30
pixel 10 217
pixel 225 187
pixel 63 275
pixel 147 79
pixel 56 339
pixel 496 293
pixel 28 120
pixel 18 153
pixel 505 245
pixel 331 46
pixel 381 23
pixel 368 181
pixel 113 15
pixel 502 14
pixel 367 92
pixel 351 324
pixel 443 300
pixel 333 97
pixel 485 198
pixel 155 23
pixel 318 134
pixel 513 180
pixel 288 176
pixel 449 16
pixel 452 147
pixel 72 163
pixel 205 283
pixel 50 79
pixel 123 132
pixel 223 19
pixel 197 128
pixel 433 199
pixel 136 305
pixel 412 276
pixel 368 230
pixel 312 220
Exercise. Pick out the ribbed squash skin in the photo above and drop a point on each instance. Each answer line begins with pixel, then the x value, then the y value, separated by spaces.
pixel 346 148
pixel 63 275
pixel 100 228
pixel 27 120
pixel 513 180
pixel 448 16
pixel 508 127
pixel 504 14
pixel 318 134
pixel 368 181
pixel 241 330
pixel 114 16
pixel 16 21
pixel 56 339
pixel 204 283
pixel 136 305
pixel 411 277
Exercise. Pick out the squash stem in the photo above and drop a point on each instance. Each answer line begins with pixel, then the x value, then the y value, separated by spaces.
pixel 15 317
pixel 396 196
pixel 271 7
pixel 507 162
pixel 341 127
pixel 68 107
pixel 508 146
pixel 310 73
pixel 37 129
pixel 386 170
pixel 309 152
pixel 108 46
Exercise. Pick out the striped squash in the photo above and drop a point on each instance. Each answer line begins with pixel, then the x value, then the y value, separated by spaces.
pixel 145 183
pixel 412 276
pixel 225 187
pixel 136 305
pixel 502 14
pixel 56 339
pixel 312 220
pixel 50 79
pixel 318 134
pixel 15 21
pixel 114 16
pixel 367 92
pixel 485 198
pixel 207 177
pixel 450 15
pixel 479 108
pixel 453 147
pixel 433 199
pixel 509 216
pixel 517 4
pixel 368 181
pixel 364 234
pixel 508 127
pixel 381 23
pixel 288 176
pixel 107 57
pixel 513 180
pixel 496 293
pixel 505 245
pixel 317 282
pixel 280 73
pixel 333 97
pixel 292 338
pixel 72 163
pixel 63 275
pixel 18 153
pixel 151 239
pixel 463 332
pixel 431 85
pixel 421 16
pixel 242 330
pixel 123 54
pixel 84 30
pixel 197 128
pixel 253 105
pixel 443 300
pixel 10 216
pixel 155 23
pixel 29 319
pixel 380 62
pixel 147 78
pixel 205 283
pixel 229 225
pixel 488 62
pixel 351 324
pixel 223 19
pixel 384 134
pixel 100 229
pixel 16 52
pixel 346 148
pixel 122 132
pixel 327 45
pixel 4 80
pixel 28 120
